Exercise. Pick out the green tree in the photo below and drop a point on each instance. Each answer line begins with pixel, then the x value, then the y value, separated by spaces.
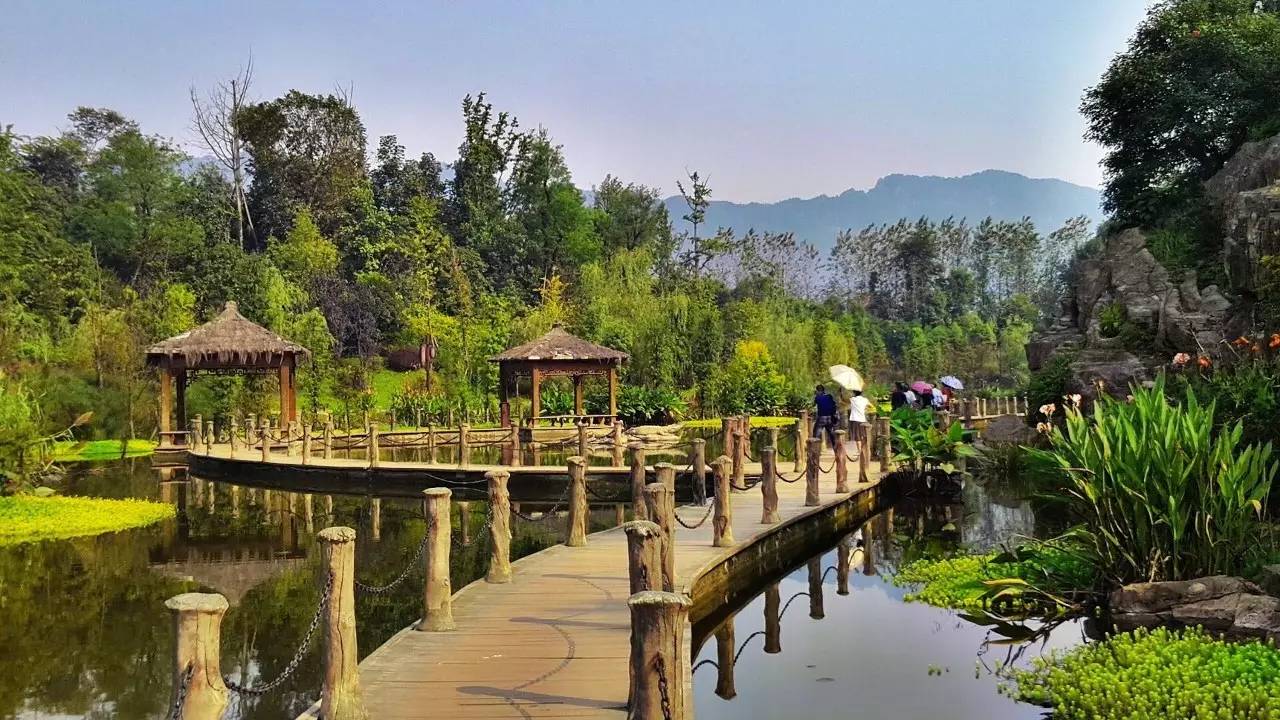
pixel 304 257
pixel 397 182
pixel 557 232
pixel 631 217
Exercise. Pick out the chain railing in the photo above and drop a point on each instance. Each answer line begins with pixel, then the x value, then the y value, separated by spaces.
pixel 404 574
pixel 181 699
pixel 663 689
pixel 305 645
pixel 698 524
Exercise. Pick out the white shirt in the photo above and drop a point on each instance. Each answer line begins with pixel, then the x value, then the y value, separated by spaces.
pixel 858 408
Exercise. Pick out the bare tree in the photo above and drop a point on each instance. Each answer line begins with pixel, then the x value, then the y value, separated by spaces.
pixel 215 121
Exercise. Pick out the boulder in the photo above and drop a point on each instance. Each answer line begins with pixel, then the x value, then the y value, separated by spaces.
pixel 1115 370
pixel 1269 579
pixel 1161 597
pixel 1224 605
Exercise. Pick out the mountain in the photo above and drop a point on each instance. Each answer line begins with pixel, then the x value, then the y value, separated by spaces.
pixel 1002 195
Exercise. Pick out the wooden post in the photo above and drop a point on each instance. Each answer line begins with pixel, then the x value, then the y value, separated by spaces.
pixel 516 450
pixel 812 492
pixel 700 471
pixel 619 514
pixel 234 441
pixel 327 451
pixel 722 517
pixel 613 392
pixel 250 430
pixel 726 434
pixel 535 393
pixel 375 518
pixel 726 649
pixel 769 486
pixel 741 443
pixel 773 438
pixel 773 619
pixel 437 595
pixel 644 555
pixel 816 610
pixel 842 468
pixel 433 454
pixel 340 695
pixel 210 437
pixel 843 550
pixel 196 431
pixel 662 512
pixel 499 527
pixel 578 510
pixel 464 445
pixel 374 450
pixel 617 443
pixel 886 445
pixel 266 439
pixel 197 623
pixel 464 521
pixel 306 444
pixel 166 404
pixel 638 507
pixel 802 439
pixel 582 439
pixel 658 671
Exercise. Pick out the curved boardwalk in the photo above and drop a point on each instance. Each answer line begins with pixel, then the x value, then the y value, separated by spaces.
pixel 555 641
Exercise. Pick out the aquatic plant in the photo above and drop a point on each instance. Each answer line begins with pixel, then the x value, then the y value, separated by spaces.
pixel 920 445
pixel 1033 577
pixel 101 450
pixel 1156 674
pixel 1157 492
pixel 24 518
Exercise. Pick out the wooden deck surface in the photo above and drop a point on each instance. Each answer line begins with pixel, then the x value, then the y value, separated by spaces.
pixel 554 642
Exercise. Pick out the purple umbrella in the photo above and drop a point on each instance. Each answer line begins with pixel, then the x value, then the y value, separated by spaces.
pixel 921 386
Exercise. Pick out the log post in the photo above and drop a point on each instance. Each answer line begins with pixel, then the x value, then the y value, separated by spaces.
pixel 726 434
pixel 306 444
pixel 432 453
pixel 437 595
pixel 234 441
pixel 464 445
pixel 773 619
pixel 327 451
pixel 499 527
pixel 726 648
pixel 251 429
pixel 802 439
pixel 812 492
pixel 722 519
pixel 638 507
pixel 266 439
pixel 886 445
pixel 619 514
pixel 700 472
pixel 340 695
pixel 843 550
pixel 773 438
pixel 617 443
pixel 516 449
pixel 769 486
pixel 842 468
pixel 644 555
pixel 197 668
pixel 582 439
pixel 374 450
pixel 210 437
pixel 578 510
pixel 464 521
pixel 196 431
pixel 658 672
pixel 741 443
pixel 665 473
pixel 662 512
pixel 816 610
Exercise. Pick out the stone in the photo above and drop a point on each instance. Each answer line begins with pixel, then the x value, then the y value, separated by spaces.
pixel 1115 369
pixel 1161 597
pixel 1217 615
pixel 1269 580
pixel 1223 605
pixel 1256 616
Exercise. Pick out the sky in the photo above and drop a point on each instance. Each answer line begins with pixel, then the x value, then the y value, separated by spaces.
pixel 770 100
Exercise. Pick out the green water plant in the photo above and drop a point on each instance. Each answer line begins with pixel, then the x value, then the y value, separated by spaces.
pixel 25 518
pixel 1156 674
pixel 919 444
pixel 88 451
pixel 1031 578
pixel 1158 492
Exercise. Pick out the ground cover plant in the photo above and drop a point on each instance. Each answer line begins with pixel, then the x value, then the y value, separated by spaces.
pixel 26 518
pixel 1026 579
pixel 101 450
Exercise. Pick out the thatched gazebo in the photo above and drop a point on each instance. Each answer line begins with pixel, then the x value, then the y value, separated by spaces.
pixel 228 344
pixel 557 353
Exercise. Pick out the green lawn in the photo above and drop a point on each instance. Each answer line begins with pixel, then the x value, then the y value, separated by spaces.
pixel 25 518
pixel 100 450
pixel 763 421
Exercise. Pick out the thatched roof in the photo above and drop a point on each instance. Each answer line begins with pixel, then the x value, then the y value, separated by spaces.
pixel 228 341
pixel 560 345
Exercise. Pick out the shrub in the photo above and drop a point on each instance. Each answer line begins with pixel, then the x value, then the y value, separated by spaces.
pixel 1158 492
pixel 921 445
pixel 1049 383
pixel 749 383
pixel 648 406
pixel 24 518
pixel 1111 320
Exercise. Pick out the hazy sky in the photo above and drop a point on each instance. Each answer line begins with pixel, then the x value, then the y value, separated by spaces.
pixel 772 101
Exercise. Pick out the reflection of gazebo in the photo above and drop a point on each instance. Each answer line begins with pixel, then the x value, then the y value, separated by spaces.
pixel 556 353
pixel 228 344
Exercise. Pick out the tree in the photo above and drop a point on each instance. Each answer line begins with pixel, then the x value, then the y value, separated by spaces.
pixel 304 151
pixel 304 257
pixel 698 251
pixel 476 214
pixel 631 217
pixel 557 232
pixel 398 182
pixel 1198 78
pixel 216 119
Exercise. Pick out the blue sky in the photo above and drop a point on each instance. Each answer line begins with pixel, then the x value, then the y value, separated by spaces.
pixel 771 100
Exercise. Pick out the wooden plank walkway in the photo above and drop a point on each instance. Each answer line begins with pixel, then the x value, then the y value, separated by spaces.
pixel 554 642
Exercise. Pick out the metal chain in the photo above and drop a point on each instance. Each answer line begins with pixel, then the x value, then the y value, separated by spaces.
pixel 297 656
pixel 662 688
pixel 698 524
pixel 413 563
pixel 547 515
pixel 181 700
pixel 596 494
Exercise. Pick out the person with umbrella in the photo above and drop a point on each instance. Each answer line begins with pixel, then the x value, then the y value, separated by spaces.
pixel 950 384
pixel 923 391
pixel 859 406
pixel 825 417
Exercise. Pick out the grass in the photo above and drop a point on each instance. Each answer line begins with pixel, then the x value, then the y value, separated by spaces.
pixel 24 518
pixel 100 450
pixel 764 421
pixel 1156 674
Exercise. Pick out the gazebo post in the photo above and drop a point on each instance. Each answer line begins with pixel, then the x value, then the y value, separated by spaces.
pixel 504 395
pixel 535 390
pixel 613 391
pixel 180 396
pixel 577 395
pixel 288 401
pixel 166 403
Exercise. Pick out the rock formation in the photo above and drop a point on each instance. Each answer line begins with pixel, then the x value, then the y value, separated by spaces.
pixel 1222 605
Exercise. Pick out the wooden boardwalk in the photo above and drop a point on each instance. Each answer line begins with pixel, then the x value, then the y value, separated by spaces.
pixel 554 642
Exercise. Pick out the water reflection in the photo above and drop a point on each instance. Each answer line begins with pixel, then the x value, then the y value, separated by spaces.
pixel 861 652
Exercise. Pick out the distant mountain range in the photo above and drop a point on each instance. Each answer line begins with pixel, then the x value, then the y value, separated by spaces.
pixel 996 193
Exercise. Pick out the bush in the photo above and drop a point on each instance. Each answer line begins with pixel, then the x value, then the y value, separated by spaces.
pixel 1111 320
pixel 749 383
pixel 1049 383
pixel 24 518
pixel 649 406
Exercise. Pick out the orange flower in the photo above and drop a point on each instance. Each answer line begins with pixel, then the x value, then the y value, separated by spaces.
pixel 1204 362
pixel 1275 341
pixel 1256 349
pixel 1240 341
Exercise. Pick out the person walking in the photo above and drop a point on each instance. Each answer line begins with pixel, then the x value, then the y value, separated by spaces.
pixel 858 407
pixel 899 397
pixel 825 418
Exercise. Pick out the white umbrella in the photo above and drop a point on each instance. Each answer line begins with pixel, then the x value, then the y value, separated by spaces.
pixel 846 377
pixel 952 382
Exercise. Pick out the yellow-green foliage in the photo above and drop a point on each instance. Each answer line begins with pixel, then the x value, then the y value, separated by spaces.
pixel 1019 580
pixel 1157 674
pixel 951 582
pixel 25 518
pixel 100 450
pixel 762 421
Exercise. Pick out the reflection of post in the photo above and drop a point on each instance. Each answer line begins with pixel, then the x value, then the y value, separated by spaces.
pixel 499 527
pixel 375 518
pixel 210 504
pixel 197 622
pixel 328 508
pixel 815 589
pixel 657 666
pixel 308 514
pixel 578 510
pixel 812 493
pixel 464 521
pixel 638 481
pixel 868 555
pixel 437 597
pixel 725 648
pixel 644 555
pixel 340 694
pixel 722 521
pixel 662 512
pixel 773 619
pixel 235 501
pixel 843 550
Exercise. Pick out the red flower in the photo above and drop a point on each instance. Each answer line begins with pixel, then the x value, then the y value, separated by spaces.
pixel 1240 342
pixel 1275 341
pixel 1204 362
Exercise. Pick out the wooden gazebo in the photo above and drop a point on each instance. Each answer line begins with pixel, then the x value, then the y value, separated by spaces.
pixel 556 353
pixel 228 344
